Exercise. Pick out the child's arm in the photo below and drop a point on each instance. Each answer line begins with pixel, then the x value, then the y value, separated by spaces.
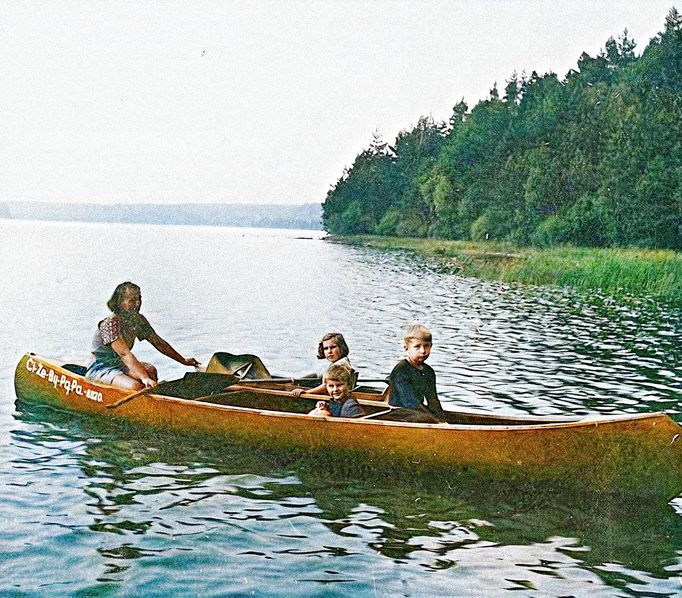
pixel 351 408
pixel 318 390
pixel 402 392
pixel 434 406
pixel 432 402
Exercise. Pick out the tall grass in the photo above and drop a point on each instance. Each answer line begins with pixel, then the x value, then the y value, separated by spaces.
pixel 654 273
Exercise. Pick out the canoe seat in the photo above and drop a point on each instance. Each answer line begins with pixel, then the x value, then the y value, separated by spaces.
pixel 75 368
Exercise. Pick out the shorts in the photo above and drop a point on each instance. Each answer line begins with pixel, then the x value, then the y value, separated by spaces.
pixel 101 372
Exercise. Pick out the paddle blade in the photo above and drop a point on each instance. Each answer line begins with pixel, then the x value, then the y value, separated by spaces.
pixel 246 366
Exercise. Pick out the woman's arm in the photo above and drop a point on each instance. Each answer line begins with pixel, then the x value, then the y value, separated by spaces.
pixel 163 346
pixel 135 368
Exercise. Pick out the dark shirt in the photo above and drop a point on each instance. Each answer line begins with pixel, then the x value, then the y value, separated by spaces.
pixel 414 388
pixel 349 408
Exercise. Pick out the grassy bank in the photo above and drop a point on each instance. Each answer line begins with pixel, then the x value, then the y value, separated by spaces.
pixel 655 273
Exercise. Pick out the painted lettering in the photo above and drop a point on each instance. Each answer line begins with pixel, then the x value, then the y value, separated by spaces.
pixel 94 395
pixel 61 381
pixel 41 371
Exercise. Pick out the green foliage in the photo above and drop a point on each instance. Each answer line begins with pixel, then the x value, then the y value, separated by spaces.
pixel 588 222
pixel 616 271
pixel 389 223
pixel 594 159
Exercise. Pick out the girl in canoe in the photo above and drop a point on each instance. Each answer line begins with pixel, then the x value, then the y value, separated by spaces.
pixel 112 361
pixel 338 381
pixel 334 349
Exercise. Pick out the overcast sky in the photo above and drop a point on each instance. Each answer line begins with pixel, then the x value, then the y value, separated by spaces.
pixel 257 102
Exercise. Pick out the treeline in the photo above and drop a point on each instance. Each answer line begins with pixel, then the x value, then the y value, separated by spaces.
pixel 594 159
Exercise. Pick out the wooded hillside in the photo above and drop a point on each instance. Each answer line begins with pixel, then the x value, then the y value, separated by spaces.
pixel 592 159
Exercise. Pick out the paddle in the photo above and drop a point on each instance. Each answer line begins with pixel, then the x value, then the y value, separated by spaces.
pixel 191 386
pixel 133 395
pixel 250 368
pixel 242 366
pixel 276 380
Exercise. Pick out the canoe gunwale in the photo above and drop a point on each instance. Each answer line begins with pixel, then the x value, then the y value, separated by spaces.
pixel 581 423
pixel 530 423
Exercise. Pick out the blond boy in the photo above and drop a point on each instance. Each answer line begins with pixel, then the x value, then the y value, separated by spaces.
pixel 338 380
pixel 413 381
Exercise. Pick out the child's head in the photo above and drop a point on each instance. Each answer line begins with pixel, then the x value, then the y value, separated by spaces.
pixel 126 297
pixel 338 380
pixel 332 347
pixel 417 341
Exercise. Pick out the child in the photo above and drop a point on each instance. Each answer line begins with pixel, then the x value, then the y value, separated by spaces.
pixel 334 349
pixel 338 380
pixel 413 381
pixel 112 359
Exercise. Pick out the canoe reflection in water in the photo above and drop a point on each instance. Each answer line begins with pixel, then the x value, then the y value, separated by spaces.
pixel 146 484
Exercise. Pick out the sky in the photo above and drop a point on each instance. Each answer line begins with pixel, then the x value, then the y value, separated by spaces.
pixel 257 101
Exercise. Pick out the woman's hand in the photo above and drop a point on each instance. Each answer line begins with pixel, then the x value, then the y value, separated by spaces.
pixel 190 361
pixel 148 382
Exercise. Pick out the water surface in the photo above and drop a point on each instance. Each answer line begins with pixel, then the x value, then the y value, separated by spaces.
pixel 92 507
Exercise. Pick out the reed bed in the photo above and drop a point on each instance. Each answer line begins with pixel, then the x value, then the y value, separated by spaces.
pixel 615 271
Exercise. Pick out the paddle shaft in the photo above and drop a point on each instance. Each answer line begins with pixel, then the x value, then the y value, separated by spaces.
pixel 300 380
pixel 239 387
pixel 130 397
pixel 261 380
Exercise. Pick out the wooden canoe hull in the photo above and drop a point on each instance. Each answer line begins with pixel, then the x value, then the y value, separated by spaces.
pixel 640 454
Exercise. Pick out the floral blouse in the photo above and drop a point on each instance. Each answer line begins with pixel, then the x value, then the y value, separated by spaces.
pixel 127 327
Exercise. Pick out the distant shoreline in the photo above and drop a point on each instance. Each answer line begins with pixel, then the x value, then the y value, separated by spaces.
pixel 302 216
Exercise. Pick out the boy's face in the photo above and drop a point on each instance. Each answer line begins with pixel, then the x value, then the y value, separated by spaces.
pixel 331 350
pixel 418 351
pixel 337 389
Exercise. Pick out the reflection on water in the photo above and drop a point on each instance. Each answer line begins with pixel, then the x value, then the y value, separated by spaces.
pixel 99 508
pixel 160 507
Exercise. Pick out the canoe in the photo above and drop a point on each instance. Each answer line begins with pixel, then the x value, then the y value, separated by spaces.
pixel 633 454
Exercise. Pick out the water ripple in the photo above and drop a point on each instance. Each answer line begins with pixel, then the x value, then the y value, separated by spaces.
pixel 90 507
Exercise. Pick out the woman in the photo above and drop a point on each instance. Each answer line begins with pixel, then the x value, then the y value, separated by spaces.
pixel 113 362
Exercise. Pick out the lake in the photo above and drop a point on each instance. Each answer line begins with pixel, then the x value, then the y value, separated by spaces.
pixel 91 507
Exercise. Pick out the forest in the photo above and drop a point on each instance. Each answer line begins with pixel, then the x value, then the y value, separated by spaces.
pixel 593 159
